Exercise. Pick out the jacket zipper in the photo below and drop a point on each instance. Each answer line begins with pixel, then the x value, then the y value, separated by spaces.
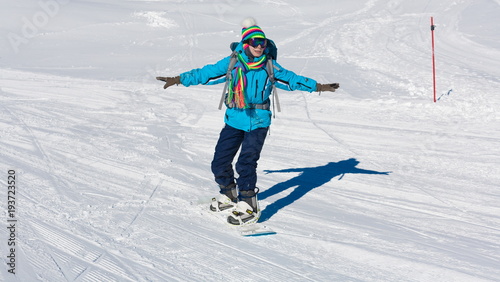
pixel 256 88
pixel 303 85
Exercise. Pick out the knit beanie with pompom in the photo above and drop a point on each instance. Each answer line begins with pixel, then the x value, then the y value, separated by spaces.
pixel 250 29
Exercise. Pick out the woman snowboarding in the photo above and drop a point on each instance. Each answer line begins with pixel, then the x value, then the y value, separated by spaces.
pixel 252 73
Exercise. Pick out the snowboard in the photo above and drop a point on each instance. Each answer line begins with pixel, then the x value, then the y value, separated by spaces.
pixel 245 230
pixel 255 229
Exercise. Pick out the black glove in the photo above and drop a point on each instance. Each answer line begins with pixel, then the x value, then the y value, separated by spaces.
pixel 169 81
pixel 327 87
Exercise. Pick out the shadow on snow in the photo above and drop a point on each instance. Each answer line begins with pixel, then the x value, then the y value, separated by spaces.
pixel 308 179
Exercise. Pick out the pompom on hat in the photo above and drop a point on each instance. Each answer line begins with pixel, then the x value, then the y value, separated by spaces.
pixel 250 29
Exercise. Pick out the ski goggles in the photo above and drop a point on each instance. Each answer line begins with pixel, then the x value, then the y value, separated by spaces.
pixel 254 42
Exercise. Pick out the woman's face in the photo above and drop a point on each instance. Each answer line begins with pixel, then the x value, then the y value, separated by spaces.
pixel 257 51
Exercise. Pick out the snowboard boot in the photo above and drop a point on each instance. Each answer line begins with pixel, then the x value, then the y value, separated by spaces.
pixel 227 198
pixel 247 210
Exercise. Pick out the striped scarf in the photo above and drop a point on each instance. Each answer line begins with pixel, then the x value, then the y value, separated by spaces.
pixel 237 86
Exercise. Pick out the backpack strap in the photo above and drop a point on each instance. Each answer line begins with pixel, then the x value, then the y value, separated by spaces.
pixel 232 63
pixel 270 72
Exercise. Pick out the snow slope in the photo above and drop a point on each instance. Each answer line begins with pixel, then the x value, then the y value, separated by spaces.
pixel 374 182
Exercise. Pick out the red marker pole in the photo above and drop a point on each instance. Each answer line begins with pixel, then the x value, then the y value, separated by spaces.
pixel 433 59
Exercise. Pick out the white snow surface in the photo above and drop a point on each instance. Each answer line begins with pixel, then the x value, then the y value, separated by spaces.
pixel 374 182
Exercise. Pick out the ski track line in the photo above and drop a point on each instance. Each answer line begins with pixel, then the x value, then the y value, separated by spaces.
pixel 312 121
pixel 259 258
pixel 335 139
pixel 44 155
pixel 451 205
pixel 308 112
pixel 82 256
pixel 460 252
pixel 156 184
pixel 101 160
pixel 63 249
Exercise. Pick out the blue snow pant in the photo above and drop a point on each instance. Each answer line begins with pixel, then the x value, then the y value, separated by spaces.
pixel 230 140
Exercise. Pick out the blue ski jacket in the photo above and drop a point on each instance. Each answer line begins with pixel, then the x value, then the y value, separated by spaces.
pixel 258 89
